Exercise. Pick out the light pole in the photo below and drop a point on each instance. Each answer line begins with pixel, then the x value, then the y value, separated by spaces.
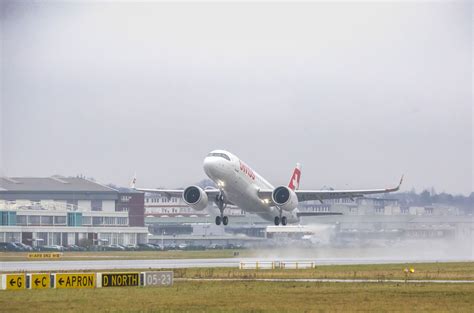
pixel 162 239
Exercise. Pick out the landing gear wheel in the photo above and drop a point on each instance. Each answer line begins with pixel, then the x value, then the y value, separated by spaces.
pixel 225 220
pixel 277 220
pixel 218 220
pixel 283 220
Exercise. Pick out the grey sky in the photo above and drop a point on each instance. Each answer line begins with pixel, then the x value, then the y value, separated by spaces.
pixel 358 93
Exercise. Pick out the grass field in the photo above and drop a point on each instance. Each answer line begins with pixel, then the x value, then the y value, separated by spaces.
pixel 248 297
pixel 441 271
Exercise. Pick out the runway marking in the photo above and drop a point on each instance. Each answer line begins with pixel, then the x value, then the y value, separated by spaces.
pixel 329 280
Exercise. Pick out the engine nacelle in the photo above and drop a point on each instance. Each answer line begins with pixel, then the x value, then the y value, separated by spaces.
pixel 195 197
pixel 285 198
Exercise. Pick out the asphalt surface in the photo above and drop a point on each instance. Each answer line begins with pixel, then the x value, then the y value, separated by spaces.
pixel 59 265
pixel 329 280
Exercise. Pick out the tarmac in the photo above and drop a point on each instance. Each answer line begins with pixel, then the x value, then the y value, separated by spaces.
pixel 62 265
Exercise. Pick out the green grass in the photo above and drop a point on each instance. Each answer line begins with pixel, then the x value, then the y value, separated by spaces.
pixel 248 297
pixel 440 271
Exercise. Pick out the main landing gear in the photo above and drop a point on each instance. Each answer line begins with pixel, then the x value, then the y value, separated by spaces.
pixel 221 204
pixel 280 218
pixel 223 219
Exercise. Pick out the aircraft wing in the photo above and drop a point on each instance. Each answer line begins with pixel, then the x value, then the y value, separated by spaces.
pixel 211 192
pixel 177 192
pixel 308 195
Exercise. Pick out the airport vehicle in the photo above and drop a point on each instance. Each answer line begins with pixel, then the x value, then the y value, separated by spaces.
pixel 238 184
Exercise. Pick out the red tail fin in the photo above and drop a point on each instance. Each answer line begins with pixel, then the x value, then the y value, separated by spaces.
pixel 295 178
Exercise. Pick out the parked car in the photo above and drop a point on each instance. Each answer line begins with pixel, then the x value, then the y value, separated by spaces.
pixel 74 248
pixel 215 246
pixel 147 247
pixel 171 246
pixel 114 247
pixel 56 248
pixel 10 246
pixel 23 246
pixel 131 247
pixel 182 246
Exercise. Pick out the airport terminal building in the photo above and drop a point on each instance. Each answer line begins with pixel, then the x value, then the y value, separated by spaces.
pixel 69 210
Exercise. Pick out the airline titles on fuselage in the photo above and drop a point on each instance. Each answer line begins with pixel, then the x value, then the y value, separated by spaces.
pixel 247 170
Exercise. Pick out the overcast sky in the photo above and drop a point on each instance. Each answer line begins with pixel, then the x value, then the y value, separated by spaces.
pixel 358 93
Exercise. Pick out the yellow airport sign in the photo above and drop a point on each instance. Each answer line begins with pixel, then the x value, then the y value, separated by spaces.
pixel 74 280
pixel 39 281
pixel 53 255
pixel 13 281
pixel 119 279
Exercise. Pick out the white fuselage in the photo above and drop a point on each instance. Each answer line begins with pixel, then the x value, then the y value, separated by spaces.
pixel 240 185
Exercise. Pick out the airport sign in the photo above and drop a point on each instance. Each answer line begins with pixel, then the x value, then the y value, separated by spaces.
pixel 118 279
pixel 158 278
pixel 39 281
pixel 74 280
pixel 13 281
pixel 53 255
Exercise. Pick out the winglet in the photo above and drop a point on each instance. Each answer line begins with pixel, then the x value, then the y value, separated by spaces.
pixel 134 180
pixel 401 181
pixel 395 188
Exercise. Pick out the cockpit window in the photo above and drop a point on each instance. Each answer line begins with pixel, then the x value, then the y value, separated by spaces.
pixel 220 155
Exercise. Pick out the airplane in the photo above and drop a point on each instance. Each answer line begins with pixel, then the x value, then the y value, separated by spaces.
pixel 238 184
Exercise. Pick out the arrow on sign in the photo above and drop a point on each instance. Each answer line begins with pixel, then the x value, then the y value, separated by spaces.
pixel 61 281
pixel 37 281
pixel 12 282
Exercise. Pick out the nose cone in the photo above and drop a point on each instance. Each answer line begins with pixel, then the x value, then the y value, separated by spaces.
pixel 207 166
pixel 213 167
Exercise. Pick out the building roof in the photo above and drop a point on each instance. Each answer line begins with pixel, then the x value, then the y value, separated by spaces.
pixel 51 184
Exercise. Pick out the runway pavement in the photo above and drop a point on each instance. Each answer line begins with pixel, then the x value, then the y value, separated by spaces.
pixel 59 265
pixel 332 280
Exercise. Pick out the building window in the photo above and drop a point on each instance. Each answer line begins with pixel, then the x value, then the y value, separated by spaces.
pixel 33 220
pixel 21 220
pixel 60 220
pixel 96 205
pixel 379 210
pixel 97 220
pixel 46 220
pixel 74 219
pixel 122 220
pixel 86 220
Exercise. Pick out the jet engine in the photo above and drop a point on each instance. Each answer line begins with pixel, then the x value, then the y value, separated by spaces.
pixel 195 197
pixel 285 198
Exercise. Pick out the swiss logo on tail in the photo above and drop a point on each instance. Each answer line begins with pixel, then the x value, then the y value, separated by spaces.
pixel 295 178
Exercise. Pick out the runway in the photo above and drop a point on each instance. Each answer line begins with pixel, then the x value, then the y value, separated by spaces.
pixel 30 266
pixel 330 280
